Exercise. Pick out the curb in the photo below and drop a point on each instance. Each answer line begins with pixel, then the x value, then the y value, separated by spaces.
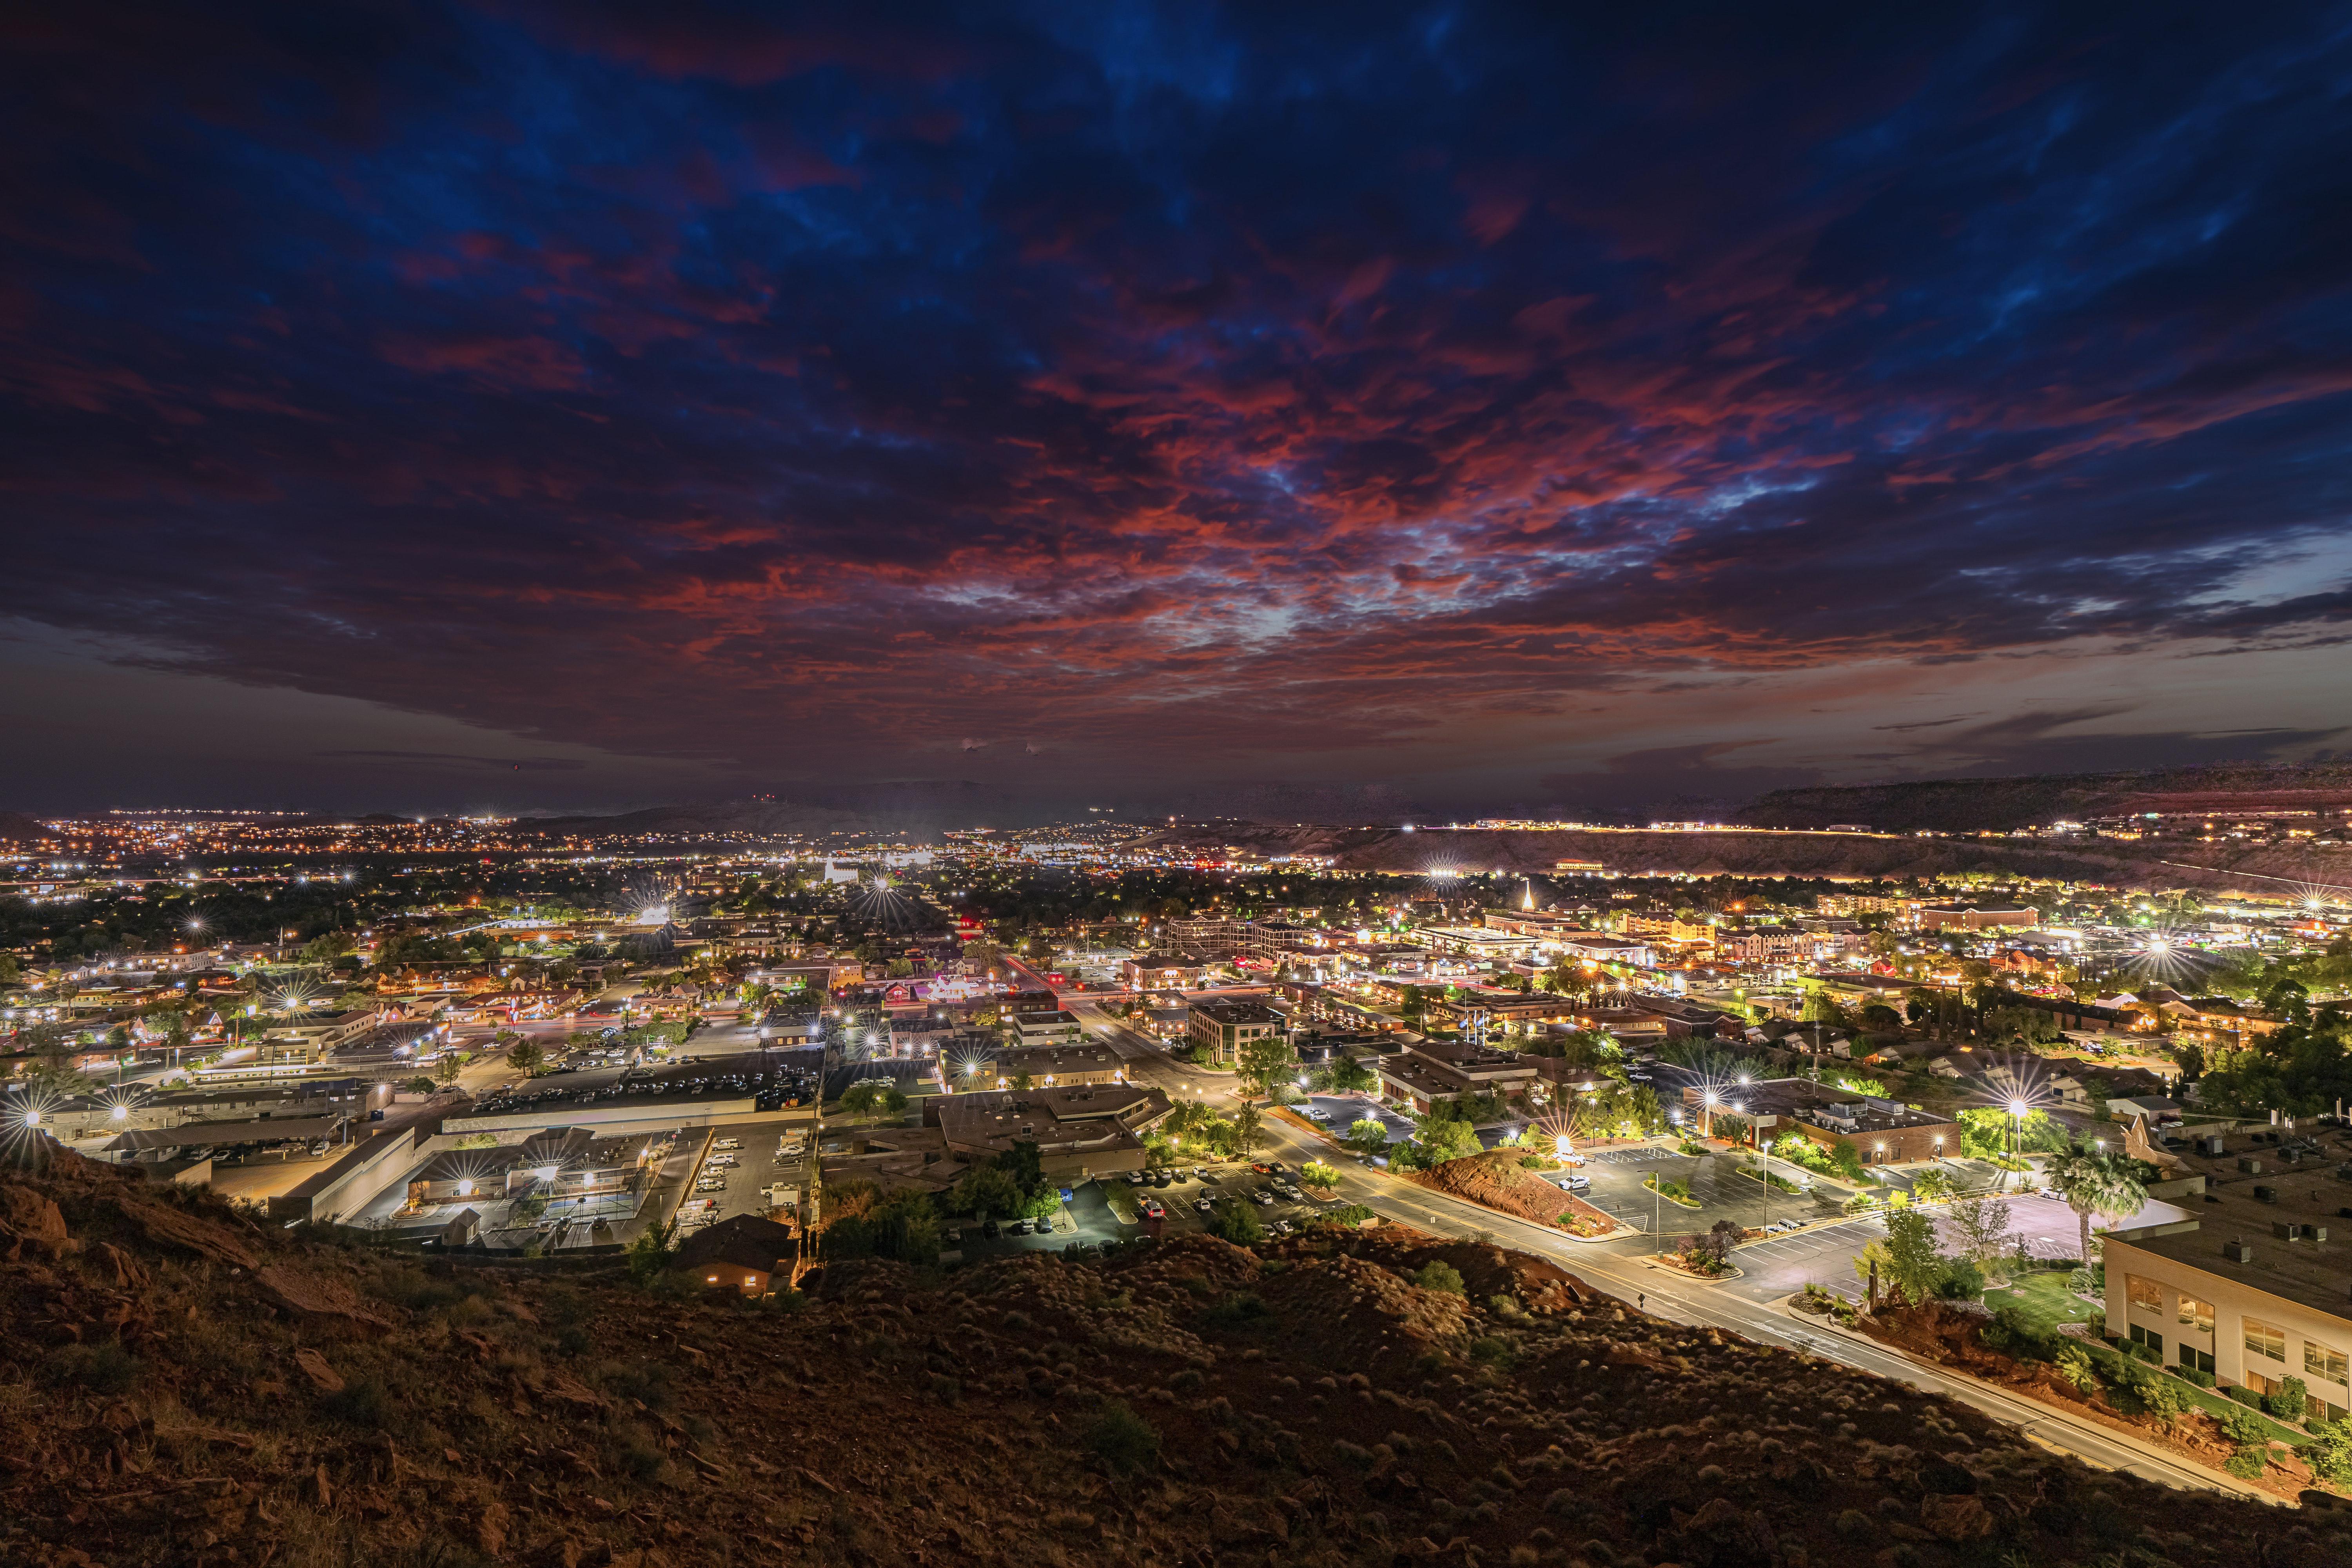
pixel 1650 1261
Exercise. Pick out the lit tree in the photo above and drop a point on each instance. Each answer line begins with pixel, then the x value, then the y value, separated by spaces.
pixel 2094 1182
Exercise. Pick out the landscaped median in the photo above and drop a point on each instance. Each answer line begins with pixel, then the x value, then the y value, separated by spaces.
pixel 1501 1180
pixel 1306 1124
pixel 1672 1192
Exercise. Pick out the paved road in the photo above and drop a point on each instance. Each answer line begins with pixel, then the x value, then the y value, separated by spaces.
pixel 1620 1267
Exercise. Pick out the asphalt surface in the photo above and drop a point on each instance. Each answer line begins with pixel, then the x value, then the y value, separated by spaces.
pixel 1621 1266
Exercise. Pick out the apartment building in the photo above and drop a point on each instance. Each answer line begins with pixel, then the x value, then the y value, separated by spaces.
pixel 1221 1026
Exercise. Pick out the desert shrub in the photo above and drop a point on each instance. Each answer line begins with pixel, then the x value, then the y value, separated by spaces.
pixel 362 1403
pixel 649 1253
pixel 105 1368
pixel 1491 1350
pixel 2242 1427
pixel 2157 1393
pixel 1239 1310
pixel 2106 1362
pixel 1345 1215
pixel 648 1382
pixel 1237 1222
pixel 1121 1439
pixel 2329 1453
pixel 2289 1402
pixel 2073 1363
pixel 2247 1463
pixel 1963 1280
pixel 1439 1275
pixel 639 1456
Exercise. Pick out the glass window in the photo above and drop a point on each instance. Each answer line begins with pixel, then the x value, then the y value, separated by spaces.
pixel 2266 1339
pixel 2323 1362
pixel 2197 1314
pixel 2145 1293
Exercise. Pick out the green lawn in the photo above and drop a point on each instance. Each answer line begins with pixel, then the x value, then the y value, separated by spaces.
pixel 2045 1300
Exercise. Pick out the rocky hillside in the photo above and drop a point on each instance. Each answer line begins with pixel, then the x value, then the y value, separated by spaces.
pixel 177 1386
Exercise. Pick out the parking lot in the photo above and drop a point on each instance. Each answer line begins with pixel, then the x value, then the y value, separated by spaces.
pixel 772 1079
pixel 1186 1191
pixel 1087 1216
pixel 740 1179
pixel 1824 1255
pixel 1345 1109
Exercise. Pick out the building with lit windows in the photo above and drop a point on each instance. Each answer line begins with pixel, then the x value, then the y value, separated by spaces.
pixel 2250 1290
pixel 1221 1026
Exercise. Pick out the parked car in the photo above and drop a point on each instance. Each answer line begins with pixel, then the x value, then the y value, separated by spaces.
pixel 1205 1205
pixel 1153 1210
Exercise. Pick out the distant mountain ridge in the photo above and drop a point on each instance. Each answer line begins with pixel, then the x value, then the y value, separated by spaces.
pixel 917 806
pixel 16 828
pixel 1982 804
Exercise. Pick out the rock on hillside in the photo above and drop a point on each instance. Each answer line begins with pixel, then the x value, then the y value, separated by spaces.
pixel 179 1387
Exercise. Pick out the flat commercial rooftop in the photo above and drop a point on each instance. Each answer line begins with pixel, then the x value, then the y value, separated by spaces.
pixel 2250 1207
pixel 269 1129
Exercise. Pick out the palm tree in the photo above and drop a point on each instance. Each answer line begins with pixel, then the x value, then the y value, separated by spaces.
pixel 2094 1182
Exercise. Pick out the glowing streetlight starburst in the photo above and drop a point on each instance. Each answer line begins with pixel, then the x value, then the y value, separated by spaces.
pixel 878 903
pixel 295 995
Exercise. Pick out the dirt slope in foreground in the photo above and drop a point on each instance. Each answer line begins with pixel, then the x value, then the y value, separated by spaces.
pixel 178 1387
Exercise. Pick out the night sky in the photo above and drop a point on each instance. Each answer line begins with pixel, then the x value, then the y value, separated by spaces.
pixel 1485 408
